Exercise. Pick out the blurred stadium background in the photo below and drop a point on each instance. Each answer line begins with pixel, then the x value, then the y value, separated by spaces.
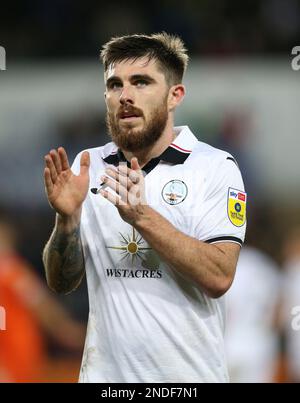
pixel 242 96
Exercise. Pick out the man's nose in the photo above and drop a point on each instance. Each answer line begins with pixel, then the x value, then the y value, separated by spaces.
pixel 127 95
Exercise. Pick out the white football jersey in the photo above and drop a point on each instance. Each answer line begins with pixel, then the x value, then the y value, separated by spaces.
pixel 147 323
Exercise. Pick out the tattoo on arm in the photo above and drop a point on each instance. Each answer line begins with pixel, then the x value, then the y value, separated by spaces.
pixel 64 260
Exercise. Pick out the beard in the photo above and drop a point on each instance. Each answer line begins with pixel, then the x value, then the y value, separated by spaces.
pixel 130 139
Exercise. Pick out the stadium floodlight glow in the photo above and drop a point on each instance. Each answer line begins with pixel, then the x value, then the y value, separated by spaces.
pixel 296 59
pixel 2 58
pixel 2 318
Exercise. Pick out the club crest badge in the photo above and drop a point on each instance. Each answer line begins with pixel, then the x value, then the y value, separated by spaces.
pixel 174 192
pixel 236 206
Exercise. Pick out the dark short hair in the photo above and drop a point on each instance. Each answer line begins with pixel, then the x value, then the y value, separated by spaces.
pixel 168 50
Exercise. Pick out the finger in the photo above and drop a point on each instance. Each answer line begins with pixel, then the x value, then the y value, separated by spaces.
pixel 124 180
pixel 134 175
pixel 115 186
pixel 52 169
pixel 84 163
pixel 123 169
pixel 47 180
pixel 56 160
pixel 114 199
pixel 135 196
pixel 135 165
pixel 112 172
pixel 63 158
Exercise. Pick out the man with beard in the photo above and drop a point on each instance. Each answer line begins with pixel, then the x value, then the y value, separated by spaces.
pixel 159 233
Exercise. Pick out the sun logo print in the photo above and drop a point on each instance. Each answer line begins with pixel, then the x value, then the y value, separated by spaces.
pixel 132 247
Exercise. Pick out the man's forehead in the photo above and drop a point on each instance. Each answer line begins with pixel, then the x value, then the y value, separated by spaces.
pixel 142 65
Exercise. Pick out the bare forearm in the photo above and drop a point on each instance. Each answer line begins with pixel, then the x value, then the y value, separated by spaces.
pixel 206 265
pixel 63 256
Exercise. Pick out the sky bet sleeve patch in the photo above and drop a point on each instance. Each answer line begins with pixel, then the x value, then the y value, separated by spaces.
pixel 236 207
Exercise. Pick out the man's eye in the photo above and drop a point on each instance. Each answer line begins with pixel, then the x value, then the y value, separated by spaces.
pixel 114 86
pixel 141 83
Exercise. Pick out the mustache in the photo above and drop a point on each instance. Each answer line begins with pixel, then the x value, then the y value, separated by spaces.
pixel 129 109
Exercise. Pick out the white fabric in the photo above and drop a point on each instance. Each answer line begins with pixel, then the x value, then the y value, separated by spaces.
pixel 146 323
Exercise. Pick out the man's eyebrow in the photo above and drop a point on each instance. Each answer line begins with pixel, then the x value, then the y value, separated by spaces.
pixel 145 77
pixel 134 77
pixel 112 79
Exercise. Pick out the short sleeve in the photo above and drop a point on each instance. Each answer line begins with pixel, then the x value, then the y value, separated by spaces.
pixel 223 210
pixel 75 167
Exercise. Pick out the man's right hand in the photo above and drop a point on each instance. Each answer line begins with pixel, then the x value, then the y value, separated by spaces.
pixel 66 191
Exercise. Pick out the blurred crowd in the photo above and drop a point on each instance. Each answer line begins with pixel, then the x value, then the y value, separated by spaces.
pixel 42 334
pixel 32 315
pixel 66 28
pixel 262 333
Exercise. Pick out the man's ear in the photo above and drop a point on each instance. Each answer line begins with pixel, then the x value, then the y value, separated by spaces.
pixel 176 95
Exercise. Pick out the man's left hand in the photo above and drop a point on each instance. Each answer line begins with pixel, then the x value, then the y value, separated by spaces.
pixel 129 186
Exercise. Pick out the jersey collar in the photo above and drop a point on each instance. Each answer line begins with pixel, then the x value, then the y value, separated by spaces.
pixel 176 153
